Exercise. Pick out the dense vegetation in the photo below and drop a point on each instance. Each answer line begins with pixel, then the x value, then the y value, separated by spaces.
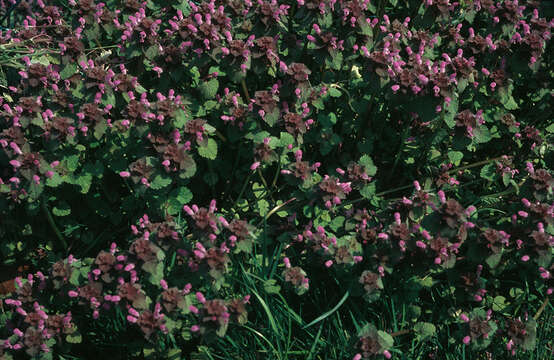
pixel 276 179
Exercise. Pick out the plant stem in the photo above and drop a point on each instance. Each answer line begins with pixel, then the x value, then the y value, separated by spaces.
pixel 53 225
pixel 401 332
pixel 541 309
pixel 479 163
pixel 265 184
pixel 242 190
pixel 245 89
pixel 275 209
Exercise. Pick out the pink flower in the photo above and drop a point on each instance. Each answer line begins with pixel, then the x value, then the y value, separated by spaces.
pixel 200 297
pixel 395 88
pixel 286 261
pixel 188 210
pixel 223 221
pixel 21 312
pixel 421 244
pixel 523 214
pixel 16 148
pixel 124 174
pixel 466 340
pixel 163 283
pixel 255 165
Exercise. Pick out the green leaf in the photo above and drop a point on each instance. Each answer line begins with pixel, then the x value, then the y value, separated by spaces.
pixel 334 92
pixel 92 32
pixel 499 303
pixel 156 270
pixel 140 89
pixel 181 119
pixel 506 178
pixel 100 129
pixel 174 354
pixel 455 157
pixel 426 281
pixel 35 190
pixel 385 340
pixel 506 98
pixel 183 195
pixel 450 112
pixel 74 338
pixel 244 246
pixel 367 163
pixel 260 136
pixel 151 52
pixel 178 198
pixel 516 292
pixel 68 71
pixel 424 330
pixel 337 223
pixel 488 172
pixel 189 168
pixel 160 182
pixel 208 89
pixel 208 151
pixel 482 134
pixel 263 207
pixel 493 260
pixel 335 60
pixel 368 191
pixel 62 209
pixel 271 287
pixel 149 352
pixel 511 104
pixel 84 180
pixel 286 139
pixel 272 117
pixel 71 162
pixel 74 279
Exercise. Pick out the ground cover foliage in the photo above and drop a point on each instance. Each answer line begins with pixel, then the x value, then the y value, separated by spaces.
pixel 307 179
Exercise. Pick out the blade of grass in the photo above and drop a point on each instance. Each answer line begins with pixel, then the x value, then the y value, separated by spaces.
pixel 330 312
pixel 314 345
pixel 261 336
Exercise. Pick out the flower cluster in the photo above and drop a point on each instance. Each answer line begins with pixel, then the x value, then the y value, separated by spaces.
pixel 394 153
